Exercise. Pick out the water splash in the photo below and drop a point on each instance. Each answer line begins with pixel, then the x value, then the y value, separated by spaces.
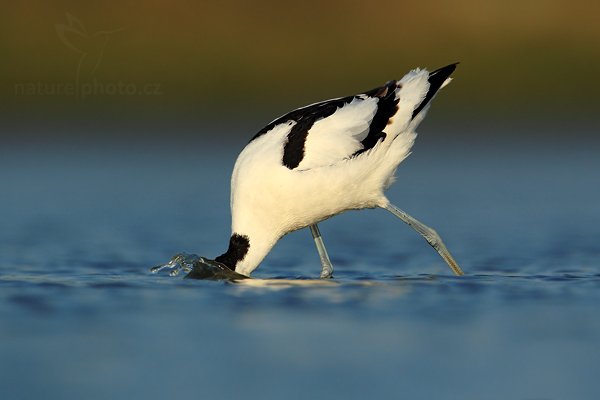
pixel 197 267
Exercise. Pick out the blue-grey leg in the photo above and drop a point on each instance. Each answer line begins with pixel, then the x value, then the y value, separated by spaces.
pixel 327 271
pixel 429 234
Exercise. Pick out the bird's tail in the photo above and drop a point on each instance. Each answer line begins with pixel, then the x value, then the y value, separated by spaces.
pixel 415 92
pixel 437 80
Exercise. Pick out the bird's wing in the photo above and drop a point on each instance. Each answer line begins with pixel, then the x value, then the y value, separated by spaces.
pixel 327 132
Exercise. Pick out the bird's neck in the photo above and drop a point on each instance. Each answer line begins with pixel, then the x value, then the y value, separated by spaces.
pixel 245 252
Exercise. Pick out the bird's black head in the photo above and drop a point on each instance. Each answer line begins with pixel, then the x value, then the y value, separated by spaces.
pixel 237 250
pixel 204 268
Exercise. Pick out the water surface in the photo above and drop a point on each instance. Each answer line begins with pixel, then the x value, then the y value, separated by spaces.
pixel 83 318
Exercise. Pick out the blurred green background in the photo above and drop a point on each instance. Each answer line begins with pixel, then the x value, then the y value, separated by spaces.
pixel 171 65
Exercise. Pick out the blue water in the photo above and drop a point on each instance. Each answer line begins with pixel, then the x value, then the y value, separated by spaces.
pixel 81 317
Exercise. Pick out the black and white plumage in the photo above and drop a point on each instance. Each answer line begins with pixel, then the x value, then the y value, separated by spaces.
pixel 323 159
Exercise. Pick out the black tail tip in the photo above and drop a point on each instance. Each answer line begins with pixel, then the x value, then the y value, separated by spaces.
pixel 436 80
pixel 444 72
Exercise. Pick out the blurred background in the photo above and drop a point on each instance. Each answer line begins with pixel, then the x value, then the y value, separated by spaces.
pixel 120 122
pixel 169 68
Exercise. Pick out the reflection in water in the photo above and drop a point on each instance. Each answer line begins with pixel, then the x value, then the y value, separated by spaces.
pixel 311 293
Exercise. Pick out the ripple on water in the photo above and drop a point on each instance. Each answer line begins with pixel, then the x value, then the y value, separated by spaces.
pixel 37 304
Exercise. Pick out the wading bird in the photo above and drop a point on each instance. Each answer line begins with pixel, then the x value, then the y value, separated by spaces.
pixel 319 161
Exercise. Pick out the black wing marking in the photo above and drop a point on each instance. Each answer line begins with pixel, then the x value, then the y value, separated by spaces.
pixel 387 106
pixel 305 117
pixel 293 151
pixel 318 110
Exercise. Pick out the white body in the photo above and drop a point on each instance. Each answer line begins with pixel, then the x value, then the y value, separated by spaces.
pixel 269 200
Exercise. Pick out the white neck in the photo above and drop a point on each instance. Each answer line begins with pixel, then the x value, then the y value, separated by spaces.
pixel 258 250
pixel 247 248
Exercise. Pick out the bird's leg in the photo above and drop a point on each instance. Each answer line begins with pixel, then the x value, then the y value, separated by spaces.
pixel 429 234
pixel 327 271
